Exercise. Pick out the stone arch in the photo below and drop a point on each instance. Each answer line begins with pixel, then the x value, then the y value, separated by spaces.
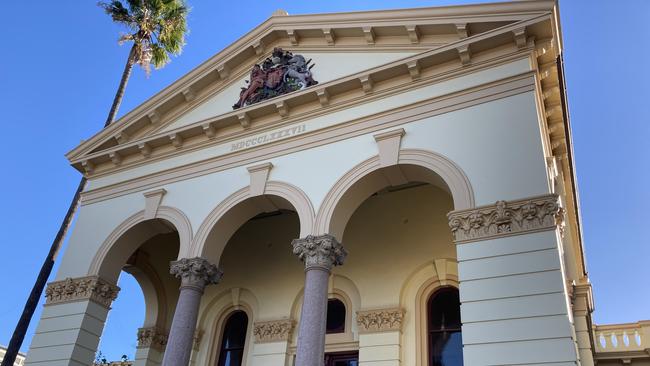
pixel 155 296
pixel 422 283
pixel 219 226
pixel 213 316
pixel 116 248
pixel 351 189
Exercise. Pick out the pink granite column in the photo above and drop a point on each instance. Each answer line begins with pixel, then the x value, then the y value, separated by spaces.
pixel 319 253
pixel 195 274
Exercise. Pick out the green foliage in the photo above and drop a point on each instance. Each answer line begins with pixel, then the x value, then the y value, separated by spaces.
pixel 157 28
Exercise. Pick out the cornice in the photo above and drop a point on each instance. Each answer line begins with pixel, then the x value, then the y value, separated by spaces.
pixel 318 30
pixel 303 104
pixel 506 218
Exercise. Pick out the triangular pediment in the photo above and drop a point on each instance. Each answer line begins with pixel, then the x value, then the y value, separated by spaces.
pixel 342 46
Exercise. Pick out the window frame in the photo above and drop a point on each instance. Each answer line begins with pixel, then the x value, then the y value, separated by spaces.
pixel 429 331
pixel 222 347
pixel 424 292
pixel 218 332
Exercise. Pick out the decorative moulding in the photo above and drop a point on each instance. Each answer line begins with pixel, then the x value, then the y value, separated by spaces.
pixel 506 218
pixel 152 200
pixel 259 175
pixel 389 144
pixel 152 338
pixel 273 331
pixel 275 28
pixel 295 99
pixel 380 320
pixel 79 289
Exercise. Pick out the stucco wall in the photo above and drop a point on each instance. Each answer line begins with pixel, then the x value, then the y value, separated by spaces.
pixel 496 144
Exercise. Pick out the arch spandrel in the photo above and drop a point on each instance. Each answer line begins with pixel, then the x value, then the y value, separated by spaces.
pixel 359 183
pixel 219 226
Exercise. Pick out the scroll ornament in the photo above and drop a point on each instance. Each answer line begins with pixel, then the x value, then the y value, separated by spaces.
pixel 319 251
pixel 84 288
pixel 273 331
pixel 506 218
pixel 380 320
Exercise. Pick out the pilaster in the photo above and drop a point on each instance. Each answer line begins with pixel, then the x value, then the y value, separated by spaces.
pixel 379 336
pixel 151 346
pixel 512 288
pixel 72 321
pixel 271 342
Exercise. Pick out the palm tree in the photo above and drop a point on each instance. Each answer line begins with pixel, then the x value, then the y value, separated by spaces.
pixel 157 29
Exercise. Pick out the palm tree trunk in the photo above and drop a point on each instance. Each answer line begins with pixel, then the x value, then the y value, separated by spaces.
pixel 37 291
pixel 120 89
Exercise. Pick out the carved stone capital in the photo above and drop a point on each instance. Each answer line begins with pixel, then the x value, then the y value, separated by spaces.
pixel 195 272
pixel 83 288
pixel 322 251
pixel 152 338
pixel 380 320
pixel 272 331
pixel 507 218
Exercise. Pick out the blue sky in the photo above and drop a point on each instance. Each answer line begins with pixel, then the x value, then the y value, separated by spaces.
pixel 61 65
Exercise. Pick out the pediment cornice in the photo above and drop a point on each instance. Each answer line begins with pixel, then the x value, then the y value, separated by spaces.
pixel 418 29
pixel 451 60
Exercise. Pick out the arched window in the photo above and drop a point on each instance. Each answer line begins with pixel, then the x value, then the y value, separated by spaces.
pixel 233 340
pixel 443 328
pixel 335 316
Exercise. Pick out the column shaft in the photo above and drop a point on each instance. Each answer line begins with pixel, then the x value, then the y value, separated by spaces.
pixel 181 336
pixel 320 254
pixel 195 274
pixel 311 336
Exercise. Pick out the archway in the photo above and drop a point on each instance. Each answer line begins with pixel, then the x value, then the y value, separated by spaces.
pixel 138 253
pixel 370 177
pixel 249 237
pixel 392 220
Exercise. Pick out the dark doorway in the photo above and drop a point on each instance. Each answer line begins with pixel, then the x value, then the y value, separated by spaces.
pixel 342 359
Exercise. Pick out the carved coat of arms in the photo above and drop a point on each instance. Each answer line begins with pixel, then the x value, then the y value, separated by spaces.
pixel 279 74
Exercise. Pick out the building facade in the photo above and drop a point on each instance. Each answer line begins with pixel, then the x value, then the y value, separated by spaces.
pixel 389 188
pixel 20 358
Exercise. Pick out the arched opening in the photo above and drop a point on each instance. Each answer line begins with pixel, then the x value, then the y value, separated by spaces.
pixel 445 346
pixel 251 243
pixel 392 221
pixel 140 318
pixel 233 339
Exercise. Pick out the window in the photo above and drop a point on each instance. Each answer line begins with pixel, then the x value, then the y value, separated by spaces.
pixel 443 328
pixel 335 316
pixel 342 359
pixel 231 352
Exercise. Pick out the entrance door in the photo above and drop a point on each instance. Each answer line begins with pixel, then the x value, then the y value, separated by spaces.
pixel 342 359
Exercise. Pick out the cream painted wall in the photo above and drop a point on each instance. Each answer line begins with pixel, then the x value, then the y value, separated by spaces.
pixel 329 66
pixel 499 166
pixel 389 237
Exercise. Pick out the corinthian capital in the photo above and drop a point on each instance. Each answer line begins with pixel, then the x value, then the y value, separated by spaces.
pixel 195 272
pixel 319 251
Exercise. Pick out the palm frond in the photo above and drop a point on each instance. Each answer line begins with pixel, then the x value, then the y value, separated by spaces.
pixel 158 28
